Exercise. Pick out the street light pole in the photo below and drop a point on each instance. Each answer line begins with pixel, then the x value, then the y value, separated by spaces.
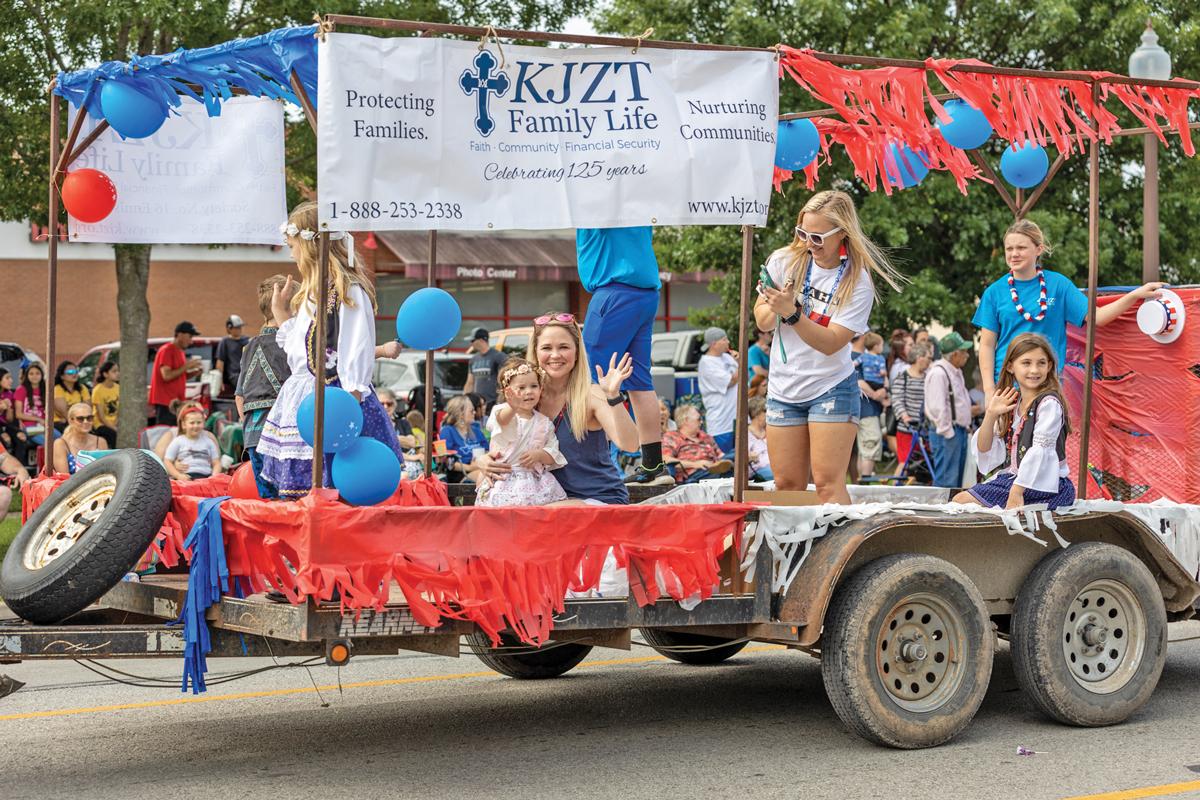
pixel 1150 61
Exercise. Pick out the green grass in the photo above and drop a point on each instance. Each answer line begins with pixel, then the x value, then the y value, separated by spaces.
pixel 10 525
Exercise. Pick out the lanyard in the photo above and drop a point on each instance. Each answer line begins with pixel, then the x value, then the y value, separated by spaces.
pixel 823 318
pixel 806 302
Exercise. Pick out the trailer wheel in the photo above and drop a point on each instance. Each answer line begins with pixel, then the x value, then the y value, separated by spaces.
pixel 1089 636
pixel 691 648
pixel 556 658
pixel 84 539
pixel 907 651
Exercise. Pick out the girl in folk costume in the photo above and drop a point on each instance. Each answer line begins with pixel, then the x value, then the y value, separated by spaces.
pixel 523 437
pixel 1024 431
pixel 817 294
pixel 349 353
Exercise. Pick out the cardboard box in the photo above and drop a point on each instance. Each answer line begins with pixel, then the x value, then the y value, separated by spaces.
pixel 785 498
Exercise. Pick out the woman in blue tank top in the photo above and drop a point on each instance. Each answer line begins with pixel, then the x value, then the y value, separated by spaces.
pixel 587 416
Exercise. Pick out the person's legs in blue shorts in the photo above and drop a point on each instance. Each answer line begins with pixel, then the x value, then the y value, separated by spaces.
pixel 620 320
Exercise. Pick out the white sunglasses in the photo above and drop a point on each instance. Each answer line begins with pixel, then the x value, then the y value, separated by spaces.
pixel 817 239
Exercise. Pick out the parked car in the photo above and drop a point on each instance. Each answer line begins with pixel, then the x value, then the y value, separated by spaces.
pixel 515 342
pixel 13 357
pixel 678 349
pixel 407 371
pixel 204 347
pixel 511 341
pixel 679 352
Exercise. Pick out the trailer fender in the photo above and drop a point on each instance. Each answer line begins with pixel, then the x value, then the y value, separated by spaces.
pixel 982 547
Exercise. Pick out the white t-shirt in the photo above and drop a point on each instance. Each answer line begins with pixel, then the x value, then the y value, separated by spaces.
pixel 808 373
pixel 720 397
pixel 197 454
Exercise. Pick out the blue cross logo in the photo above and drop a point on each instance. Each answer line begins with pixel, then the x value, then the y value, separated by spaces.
pixel 483 83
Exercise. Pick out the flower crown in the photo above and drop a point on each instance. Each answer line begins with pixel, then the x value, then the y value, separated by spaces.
pixel 524 369
pixel 292 229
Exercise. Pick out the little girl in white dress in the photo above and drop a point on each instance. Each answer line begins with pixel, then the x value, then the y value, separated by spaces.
pixel 523 437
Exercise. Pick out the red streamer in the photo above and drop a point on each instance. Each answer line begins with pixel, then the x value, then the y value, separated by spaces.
pixel 497 567
pixel 881 107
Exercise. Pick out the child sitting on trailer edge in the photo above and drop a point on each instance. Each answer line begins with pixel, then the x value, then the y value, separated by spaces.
pixel 1024 432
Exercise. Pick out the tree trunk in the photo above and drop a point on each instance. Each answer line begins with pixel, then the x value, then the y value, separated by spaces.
pixel 133 311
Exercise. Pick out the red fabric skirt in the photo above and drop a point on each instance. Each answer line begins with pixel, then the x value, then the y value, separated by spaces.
pixel 500 568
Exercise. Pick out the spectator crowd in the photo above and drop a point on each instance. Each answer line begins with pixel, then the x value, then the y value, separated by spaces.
pixel 831 401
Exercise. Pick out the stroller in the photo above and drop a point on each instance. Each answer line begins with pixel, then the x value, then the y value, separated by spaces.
pixel 918 465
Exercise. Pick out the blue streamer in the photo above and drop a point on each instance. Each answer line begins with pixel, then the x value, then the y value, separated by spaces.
pixel 262 66
pixel 207 581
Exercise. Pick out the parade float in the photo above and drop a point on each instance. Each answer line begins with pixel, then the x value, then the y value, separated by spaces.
pixel 901 595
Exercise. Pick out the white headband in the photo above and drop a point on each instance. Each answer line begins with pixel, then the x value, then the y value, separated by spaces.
pixel 291 229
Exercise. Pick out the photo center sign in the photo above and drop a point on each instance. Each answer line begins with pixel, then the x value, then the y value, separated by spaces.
pixel 419 134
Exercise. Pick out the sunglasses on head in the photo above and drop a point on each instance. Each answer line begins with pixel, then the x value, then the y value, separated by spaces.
pixel 546 319
pixel 816 239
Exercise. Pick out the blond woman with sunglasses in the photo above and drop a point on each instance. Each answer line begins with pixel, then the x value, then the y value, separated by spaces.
pixel 76 437
pixel 817 294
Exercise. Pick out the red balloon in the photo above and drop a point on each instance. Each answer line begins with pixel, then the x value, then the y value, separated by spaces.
pixel 89 195
pixel 243 485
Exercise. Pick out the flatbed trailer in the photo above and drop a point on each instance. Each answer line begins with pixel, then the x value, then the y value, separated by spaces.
pixel 904 607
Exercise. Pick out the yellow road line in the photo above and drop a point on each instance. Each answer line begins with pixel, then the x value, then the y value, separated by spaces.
pixel 1145 791
pixel 66 712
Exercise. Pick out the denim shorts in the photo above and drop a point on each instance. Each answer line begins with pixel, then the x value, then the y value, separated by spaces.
pixel 839 404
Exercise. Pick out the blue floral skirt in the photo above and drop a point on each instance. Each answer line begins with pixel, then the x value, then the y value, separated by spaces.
pixel 287 459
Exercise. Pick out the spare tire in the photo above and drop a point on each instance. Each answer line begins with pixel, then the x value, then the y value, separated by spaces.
pixel 86 537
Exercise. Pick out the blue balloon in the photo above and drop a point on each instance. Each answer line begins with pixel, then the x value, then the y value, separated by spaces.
pixel 968 128
pixel 131 112
pixel 913 167
pixel 1025 167
pixel 366 473
pixel 428 319
pixel 343 419
pixel 797 144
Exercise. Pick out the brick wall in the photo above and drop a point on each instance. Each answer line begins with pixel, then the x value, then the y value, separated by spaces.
pixel 204 292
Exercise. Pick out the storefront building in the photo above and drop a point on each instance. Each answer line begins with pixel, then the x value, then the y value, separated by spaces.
pixel 505 280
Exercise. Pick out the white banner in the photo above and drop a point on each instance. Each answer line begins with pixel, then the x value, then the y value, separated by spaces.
pixel 199 179
pixel 418 133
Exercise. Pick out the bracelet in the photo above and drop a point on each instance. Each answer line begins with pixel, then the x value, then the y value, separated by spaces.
pixel 620 399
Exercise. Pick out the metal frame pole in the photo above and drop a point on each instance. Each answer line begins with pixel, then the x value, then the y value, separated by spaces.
pixel 429 421
pixel 51 291
pixel 1150 210
pixel 318 464
pixel 741 460
pixel 1093 279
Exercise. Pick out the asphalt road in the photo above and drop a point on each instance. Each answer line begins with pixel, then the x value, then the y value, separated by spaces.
pixel 621 725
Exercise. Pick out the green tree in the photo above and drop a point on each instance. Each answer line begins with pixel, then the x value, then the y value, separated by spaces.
pixel 948 244
pixel 44 37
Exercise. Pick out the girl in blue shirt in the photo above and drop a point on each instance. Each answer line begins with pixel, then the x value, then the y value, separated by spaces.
pixel 462 434
pixel 1031 299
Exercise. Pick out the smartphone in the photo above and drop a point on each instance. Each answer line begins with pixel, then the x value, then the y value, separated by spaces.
pixel 764 277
